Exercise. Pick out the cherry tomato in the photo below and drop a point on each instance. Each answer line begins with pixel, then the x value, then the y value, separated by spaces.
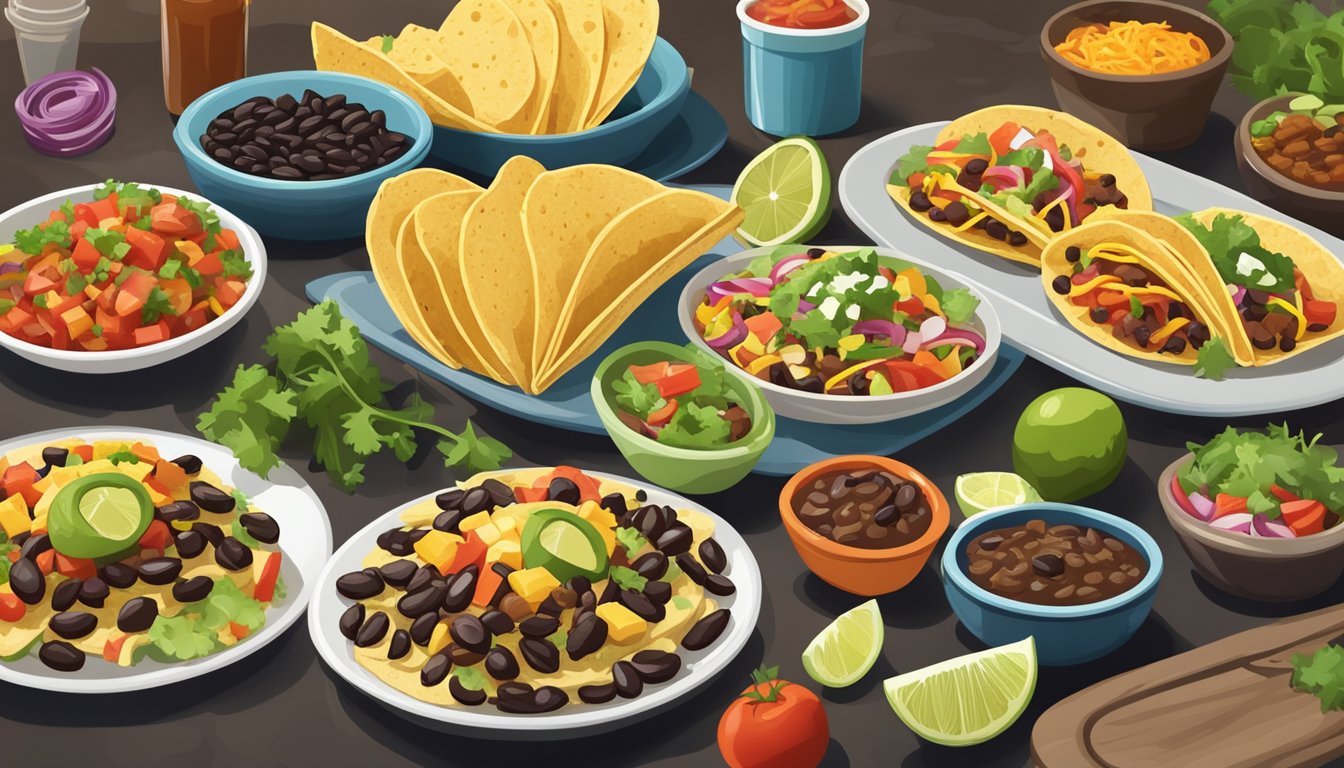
pixel 774 724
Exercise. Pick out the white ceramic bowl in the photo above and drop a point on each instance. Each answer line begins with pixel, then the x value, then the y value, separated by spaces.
pixel 35 211
pixel 572 721
pixel 305 541
pixel 844 409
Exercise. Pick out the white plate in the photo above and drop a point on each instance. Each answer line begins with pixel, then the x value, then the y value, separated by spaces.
pixel 571 721
pixel 839 409
pixel 1031 322
pixel 305 540
pixel 36 211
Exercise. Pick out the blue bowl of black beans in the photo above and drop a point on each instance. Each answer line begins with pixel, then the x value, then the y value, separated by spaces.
pixel 300 155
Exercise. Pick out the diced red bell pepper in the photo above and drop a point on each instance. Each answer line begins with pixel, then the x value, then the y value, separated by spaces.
pixel 148 250
pixel 228 239
pixel 680 379
pixel 228 292
pixel 239 631
pixel 157 536
pixel 648 374
pixel 85 255
pixel 1319 312
pixel 209 265
pixel 763 326
pixel 46 562
pixel 1001 140
pixel 1225 504
pixel 1283 494
pixel 75 567
pixel 264 590
pixel 18 480
pixel 470 552
pixel 487 583
pixel 1304 516
pixel 526 495
pixel 153 334
pixel 588 488
pixel 923 377
pixel 661 416
pixel 11 608
pixel 911 306
pixel 84 452
pixel 133 292
pixel 173 220
pixel 112 648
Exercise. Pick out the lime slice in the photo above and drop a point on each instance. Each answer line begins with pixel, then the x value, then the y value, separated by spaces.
pixel 569 544
pixel 982 491
pixel 112 512
pixel 967 700
pixel 785 192
pixel 846 649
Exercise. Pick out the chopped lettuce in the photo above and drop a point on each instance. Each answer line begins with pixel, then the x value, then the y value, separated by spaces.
pixel 959 305
pixel 1239 256
pixel 630 539
pixel 182 637
pixel 227 603
pixel 696 426
pixel 636 398
pixel 917 159
pixel 1214 360
pixel 1244 464
pixel 627 578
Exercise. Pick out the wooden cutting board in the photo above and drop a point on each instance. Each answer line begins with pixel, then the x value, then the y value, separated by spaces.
pixel 1227 704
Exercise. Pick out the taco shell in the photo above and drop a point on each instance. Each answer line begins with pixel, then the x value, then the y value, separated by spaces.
pixel 630 27
pixel 579 72
pixel 544 36
pixel 484 42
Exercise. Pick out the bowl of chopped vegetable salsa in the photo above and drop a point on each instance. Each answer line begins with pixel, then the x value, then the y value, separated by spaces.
pixel 1259 512
pixel 120 276
pixel 679 418
pixel 842 335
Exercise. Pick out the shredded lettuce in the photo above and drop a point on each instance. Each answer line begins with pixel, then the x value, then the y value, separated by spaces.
pixel 1235 249
pixel 1247 464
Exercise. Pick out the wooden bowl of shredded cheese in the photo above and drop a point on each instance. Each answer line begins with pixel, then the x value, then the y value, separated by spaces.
pixel 1145 71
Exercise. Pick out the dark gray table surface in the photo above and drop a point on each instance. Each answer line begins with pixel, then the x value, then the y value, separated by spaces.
pixel 924 61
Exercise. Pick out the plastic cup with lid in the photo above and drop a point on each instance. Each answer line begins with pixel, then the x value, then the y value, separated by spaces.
pixel 46 46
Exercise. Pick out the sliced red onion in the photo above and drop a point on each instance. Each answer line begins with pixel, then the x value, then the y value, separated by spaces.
pixel 963 336
pixel 756 286
pixel 805 306
pixel 1005 176
pixel 11 266
pixel 1237 522
pixel 68 113
pixel 1238 293
pixel 894 332
pixel 1200 506
pixel 1263 526
pixel 733 336
pixel 787 265
pixel 932 328
pixel 912 341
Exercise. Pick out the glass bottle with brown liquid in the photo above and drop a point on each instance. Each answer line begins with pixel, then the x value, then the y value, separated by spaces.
pixel 204 46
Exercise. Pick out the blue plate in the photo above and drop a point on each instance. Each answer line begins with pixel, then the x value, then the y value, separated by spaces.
pixel 567 405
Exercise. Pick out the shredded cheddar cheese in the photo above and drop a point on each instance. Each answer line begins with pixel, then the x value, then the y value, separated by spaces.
pixel 1133 48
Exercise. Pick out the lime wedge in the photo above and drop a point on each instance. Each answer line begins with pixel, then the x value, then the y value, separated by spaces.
pixel 967 700
pixel 982 491
pixel 785 192
pixel 569 544
pixel 112 512
pixel 846 649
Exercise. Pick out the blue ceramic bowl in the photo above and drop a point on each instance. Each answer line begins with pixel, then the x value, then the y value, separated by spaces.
pixel 299 210
pixel 645 112
pixel 1065 635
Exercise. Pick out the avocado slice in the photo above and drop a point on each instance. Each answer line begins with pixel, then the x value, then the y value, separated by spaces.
pixel 564 544
pixel 99 515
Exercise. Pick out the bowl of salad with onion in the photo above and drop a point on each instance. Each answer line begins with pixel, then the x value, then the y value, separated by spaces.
pixel 843 335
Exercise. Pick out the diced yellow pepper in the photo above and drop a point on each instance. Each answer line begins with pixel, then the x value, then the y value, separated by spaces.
pixel 603 520
pixel 104 448
pixel 533 584
pixel 39 524
pixel 505 551
pixel 14 516
pixel 488 533
pixel 623 625
pixel 508 527
pixel 159 499
pixel 438 639
pixel 473 522
pixel 438 548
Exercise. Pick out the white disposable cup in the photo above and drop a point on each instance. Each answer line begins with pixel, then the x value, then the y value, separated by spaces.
pixel 46 47
pixel 48 10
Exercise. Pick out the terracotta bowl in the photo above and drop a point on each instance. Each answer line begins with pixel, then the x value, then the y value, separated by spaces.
pixel 866 572
pixel 1318 207
pixel 1272 570
pixel 1147 112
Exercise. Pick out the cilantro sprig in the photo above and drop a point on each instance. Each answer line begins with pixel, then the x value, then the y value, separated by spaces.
pixel 322 376
pixel 1322 675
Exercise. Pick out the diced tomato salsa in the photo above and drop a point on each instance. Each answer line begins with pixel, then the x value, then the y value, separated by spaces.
pixel 133 267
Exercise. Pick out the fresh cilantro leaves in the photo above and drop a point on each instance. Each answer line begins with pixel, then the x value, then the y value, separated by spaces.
pixel 1213 360
pixel 1322 675
pixel 322 375
pixel 34 241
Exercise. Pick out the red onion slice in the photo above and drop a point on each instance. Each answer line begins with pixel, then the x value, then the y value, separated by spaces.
pixel 68 113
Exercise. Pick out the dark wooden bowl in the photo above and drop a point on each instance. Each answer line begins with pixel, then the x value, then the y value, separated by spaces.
pixel 1148 112
pixel 1317 207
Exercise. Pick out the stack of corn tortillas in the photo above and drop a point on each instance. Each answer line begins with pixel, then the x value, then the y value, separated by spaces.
pixel 522 281
pixel 509 66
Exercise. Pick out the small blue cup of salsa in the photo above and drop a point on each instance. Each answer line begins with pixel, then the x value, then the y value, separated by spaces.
pixel 803 75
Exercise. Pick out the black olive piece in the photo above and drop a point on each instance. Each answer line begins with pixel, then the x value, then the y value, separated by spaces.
pixel 233 555
pixel 120 575
pixel 692 568
pixel 642 495
pixel 422 629
pixel 468 632
pixel 498 622
pixel 436 670
pixel 501 664
pixel 55 457
pixel 676 540
pixel 450 499
pixel 159 570
pixel 373 631
pixel 210 498
pixel 27 581
pixel 586 636
pixel 956 213
pixel 189 464
pixel 705 631
pixel 540 654
pixel 398 573
pixel 500 494
pixel 615 504
pixel 1099 315
pixel 712 555
pixel 476 500
pixel 656 666
pixel 460 589
pixel 177 510
pixel 413 605
pixel 351 620
pixel 422 578
pixel 1073 253
pixel 1061 285
pixel 539 626
pixel 626 680
pixel 658 591
pixel 465 695
pixel 212 533
pixel 400 645
pixel 61 656
pixel 72 625
pixel 448 520
pixel 137 615
pixel 718 584
pixel 93 592
pixel 651 565
pixel 65 594
pixel 597 694
pixel 193 590
pixel 261 527
pixel 563 490
pixel 34 546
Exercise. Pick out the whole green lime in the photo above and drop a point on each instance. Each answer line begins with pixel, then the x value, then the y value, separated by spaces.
pixel 1070 443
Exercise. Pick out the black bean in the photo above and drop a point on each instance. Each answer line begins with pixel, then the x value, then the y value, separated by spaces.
pixel 398 573
pixel 996 229
pixel 212 533
pixel 193 590
pixel 1047 565
pixel 286 172
pixel 413 605
pixel 476 500
pixel 233 555
pixel 705 631
pixel 27 581
pixel 468 632
pixel 177 510
pixel 540 654
pixel 137 615
pixel 692 568
pixel 563 490
pixel 422 629
pixel 210 498
pixel 658 591
pixel 465 695
pixel 65 594
pixel 360 585
pixel 463 657
pixel 610 593
pixel 373 631
pixel 676 540
pixel 73 625
pixel 548 698
pixel 539 626
pixel 651 565
pixel 34 546
pixel 579 584
pixel 61 656
pixel 436 669
pixel 448 520
pixel 626 679
pixel 461 588
pixel 55 457
pixel 159 570
pixel 1016 239
pixel 718 584
pixel 400 645
pixel 94 592
pixel 501 664
pixel 597 694
pixel 423 578
pixel 122 576
pixel 1061 285
pixel 712 555
pixel 450 499
pixel 351 620
pixel 640 605
pixel 550 607
pixel 1073 253
pixel 497 622
pixel 586 636
pixel 656 666
pixel 261 527
pixel 500 494
pixel 615 504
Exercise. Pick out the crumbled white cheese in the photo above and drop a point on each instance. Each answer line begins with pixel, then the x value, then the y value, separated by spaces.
pixel 828 307
pixel 878 284
pixel 843 283
pixel 852 311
